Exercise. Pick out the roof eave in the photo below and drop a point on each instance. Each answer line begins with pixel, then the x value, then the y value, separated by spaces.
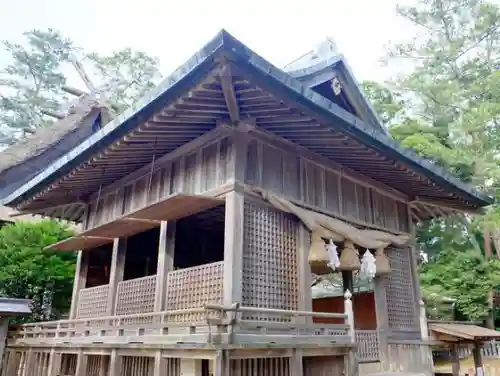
pixel 199 64
pixel 280 82
pixel 269 77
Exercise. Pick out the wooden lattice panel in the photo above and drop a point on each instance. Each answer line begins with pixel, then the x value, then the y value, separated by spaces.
pixel 261 366
pixel 323 366
pixel 93 302
pixel 270 277
pixel 368 345
pixel 136 296
pixel 194 288
pixel 401 305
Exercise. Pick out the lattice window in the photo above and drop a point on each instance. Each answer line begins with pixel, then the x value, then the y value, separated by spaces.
pixel 368 345
pixel 194 288
pixel 136 296
pixel 93 302
pixel 269 260
pixel 399 291
pixel 261 366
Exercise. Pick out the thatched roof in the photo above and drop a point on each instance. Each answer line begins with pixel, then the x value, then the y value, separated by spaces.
pixel 5 215
pixel 42 139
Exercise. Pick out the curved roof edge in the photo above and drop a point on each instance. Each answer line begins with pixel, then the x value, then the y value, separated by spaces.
pixel 269 76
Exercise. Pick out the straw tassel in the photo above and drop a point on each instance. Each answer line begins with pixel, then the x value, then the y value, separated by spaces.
pixel 382 262
pixel 349 258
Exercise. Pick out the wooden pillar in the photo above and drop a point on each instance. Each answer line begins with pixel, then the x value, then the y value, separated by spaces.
pixel 116 272
pixel 115 364
pixel 54 366
pixel 414 265
pixel 304 274
pixel 81 364
pixel 221 364
pixel 233 248
pixel 347 281
pixel 351 364
pixel 382 317
pixel 159 364
pixel 79 281
pixel 455 360
pixel 165 262
pixel 4 327
pixel 297 367
pixel 238 159
pixel 478 359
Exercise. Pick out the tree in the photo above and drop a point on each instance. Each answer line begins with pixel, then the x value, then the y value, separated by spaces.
pixel 29 271
pixel 446 107
pixel 134 72
pixel 33 81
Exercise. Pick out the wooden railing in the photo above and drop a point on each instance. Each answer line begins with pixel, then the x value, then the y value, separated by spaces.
pixel 368 345
pixel 219 325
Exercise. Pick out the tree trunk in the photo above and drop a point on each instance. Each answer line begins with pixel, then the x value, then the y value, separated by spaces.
pixel 490 320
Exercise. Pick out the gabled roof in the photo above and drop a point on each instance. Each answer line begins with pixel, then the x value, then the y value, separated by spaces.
pixel 322 65
pixel 190 102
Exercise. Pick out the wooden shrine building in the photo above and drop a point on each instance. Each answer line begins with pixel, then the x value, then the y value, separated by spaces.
pixel 207 207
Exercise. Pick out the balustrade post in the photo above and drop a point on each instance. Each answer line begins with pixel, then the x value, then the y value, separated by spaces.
pixel 424 330
pixel 349 312
pixel 351 364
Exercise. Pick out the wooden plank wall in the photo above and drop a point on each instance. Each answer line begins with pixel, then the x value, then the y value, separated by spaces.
pixel 301 179
pixel 196 172
pixel 289 175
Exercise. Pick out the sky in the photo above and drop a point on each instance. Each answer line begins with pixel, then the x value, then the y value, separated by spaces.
pixel 174 30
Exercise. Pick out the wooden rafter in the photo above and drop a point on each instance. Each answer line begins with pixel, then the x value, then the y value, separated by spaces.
pixel 226 80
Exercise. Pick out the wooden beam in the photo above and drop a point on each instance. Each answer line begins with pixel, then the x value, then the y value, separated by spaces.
pixel 443 205
pixel 226 81
pixel 54 114
pixel 37 211
pixel 73 91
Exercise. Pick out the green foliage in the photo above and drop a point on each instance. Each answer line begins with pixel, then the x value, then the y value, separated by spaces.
pixel 464 276
pixel 33 80
pixel 446 108
pixel 29 271
pixel 135 70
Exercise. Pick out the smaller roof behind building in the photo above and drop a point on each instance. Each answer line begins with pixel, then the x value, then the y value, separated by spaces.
pixel 14 307
pixel 462 332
